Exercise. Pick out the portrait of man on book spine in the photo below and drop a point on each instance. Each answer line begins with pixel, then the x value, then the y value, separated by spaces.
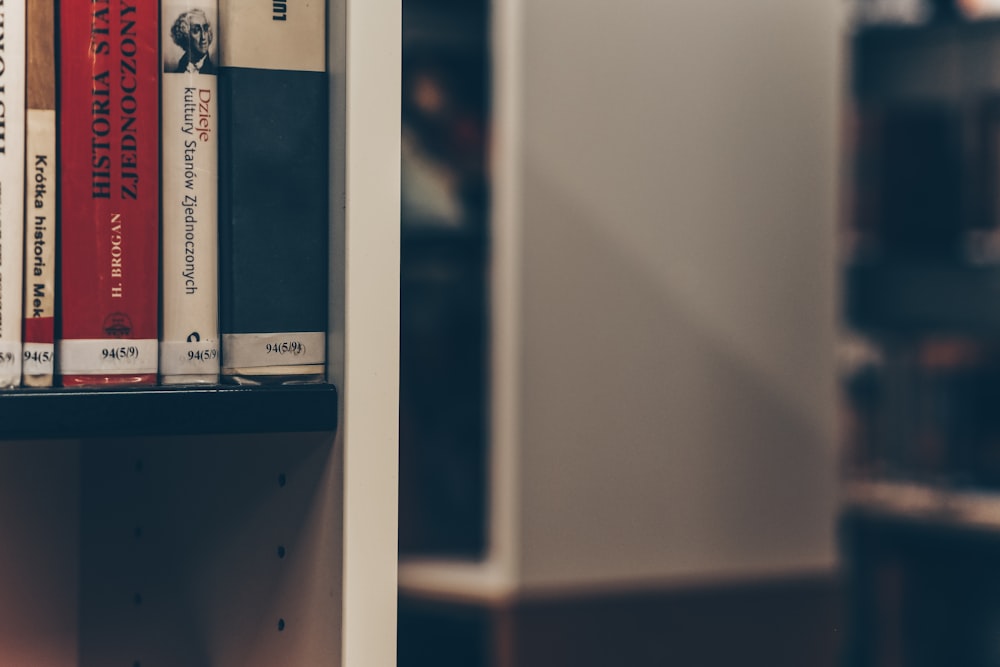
pixel 189 41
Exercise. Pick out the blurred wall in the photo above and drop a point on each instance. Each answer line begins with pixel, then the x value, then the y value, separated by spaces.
pixel 676 299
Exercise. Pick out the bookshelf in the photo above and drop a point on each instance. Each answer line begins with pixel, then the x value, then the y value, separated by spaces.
pixel 920 509
pixel 444 271
pixel 231 526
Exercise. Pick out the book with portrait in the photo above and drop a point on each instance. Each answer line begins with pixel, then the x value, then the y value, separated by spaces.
pixel 189 340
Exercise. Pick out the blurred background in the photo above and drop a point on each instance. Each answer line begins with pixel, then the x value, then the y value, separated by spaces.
pixel 700 348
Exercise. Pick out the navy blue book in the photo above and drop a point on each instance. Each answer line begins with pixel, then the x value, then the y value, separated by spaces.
pixel 273 192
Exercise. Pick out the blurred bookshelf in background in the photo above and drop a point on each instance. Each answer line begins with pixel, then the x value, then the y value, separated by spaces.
pixel 444 274
pixel 921 359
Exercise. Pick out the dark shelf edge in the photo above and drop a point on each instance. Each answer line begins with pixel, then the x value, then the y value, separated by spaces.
pixel 32 414
pixel 425 230
pixel 916 530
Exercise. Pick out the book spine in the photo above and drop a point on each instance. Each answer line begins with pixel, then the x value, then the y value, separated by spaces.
pixel 189 345
pixel 273 192
pixel 109 142
pixel 12 103
pixel 40 198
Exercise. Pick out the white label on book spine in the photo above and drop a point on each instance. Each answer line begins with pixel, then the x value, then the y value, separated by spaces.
pixel 10 363
pixel 109 356
pixel 197 358
pixel 39 358
pixel 12 105
pixel 273 349
pixel 274 35
pixel 40 245
pixel 189 141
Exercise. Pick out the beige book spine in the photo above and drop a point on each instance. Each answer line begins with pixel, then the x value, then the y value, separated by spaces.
pixel 189 344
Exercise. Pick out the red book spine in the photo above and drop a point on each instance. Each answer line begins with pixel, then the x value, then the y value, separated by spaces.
pixel 109 120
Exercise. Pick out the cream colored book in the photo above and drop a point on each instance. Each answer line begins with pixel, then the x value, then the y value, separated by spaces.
pixel 189 43
pixel 12 103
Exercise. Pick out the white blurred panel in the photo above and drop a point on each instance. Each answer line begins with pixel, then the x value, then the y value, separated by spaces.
pixel 679 171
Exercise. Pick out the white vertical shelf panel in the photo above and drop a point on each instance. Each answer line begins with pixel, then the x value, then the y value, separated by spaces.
pixel 505 288
pixel 678 292
pixel 371 77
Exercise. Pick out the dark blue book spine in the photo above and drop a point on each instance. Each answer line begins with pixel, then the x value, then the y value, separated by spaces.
pixel 273 223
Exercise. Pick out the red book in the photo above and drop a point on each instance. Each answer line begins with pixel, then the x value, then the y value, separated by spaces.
pixel 109 122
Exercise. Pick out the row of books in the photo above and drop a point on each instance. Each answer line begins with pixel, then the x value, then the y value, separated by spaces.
pixel 923 141
pixel 173 160
pixel 924 410
pixel 925 179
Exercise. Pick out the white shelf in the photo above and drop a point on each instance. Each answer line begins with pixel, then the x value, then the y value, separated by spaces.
pixel 456 580
pixel 924 503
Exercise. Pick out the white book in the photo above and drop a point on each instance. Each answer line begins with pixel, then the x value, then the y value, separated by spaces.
pixel 12 139
pixel 189 345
